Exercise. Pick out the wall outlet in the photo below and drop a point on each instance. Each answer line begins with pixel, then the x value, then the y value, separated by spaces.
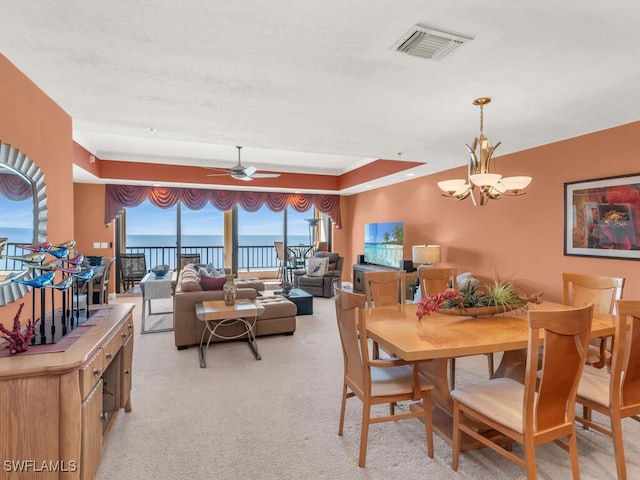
pixel 104 245
pixel 96 244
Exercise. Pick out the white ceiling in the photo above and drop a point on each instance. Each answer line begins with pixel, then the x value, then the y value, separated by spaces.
pixel 313 87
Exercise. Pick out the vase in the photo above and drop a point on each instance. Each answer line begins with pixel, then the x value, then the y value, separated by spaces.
pixel 230 291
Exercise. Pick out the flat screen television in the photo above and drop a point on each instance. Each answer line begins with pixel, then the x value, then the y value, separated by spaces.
pixel 383 244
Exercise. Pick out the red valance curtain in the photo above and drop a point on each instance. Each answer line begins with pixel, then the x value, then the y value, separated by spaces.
pixel 118 197
pixel 15 188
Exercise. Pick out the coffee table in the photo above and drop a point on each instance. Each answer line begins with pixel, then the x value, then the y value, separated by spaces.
pixel 216 315
pixel 302 299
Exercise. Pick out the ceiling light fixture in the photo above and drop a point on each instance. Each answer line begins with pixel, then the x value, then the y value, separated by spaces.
pixel 490 185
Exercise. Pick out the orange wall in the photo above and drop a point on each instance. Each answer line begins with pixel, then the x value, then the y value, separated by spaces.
pixel 89 218
pixel 35 124
pixel 522 237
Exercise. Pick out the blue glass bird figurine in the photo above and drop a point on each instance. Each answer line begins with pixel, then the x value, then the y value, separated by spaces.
pixel 38 282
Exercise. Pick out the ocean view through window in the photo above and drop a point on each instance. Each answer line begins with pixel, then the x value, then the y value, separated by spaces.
pixel 148 226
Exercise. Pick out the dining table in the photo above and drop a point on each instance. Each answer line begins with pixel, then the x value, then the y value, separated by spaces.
pixel 437 337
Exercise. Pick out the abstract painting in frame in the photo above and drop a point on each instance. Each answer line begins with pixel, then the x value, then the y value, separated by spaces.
pixel 602 217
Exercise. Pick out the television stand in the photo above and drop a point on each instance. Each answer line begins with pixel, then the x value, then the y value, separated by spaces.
pixel 359 270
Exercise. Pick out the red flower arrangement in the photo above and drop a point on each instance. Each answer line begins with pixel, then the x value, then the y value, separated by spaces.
pixel 433 303
pixel 18 341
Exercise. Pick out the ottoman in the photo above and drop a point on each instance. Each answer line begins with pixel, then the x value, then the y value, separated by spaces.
pixel 250 282
pixel 279 316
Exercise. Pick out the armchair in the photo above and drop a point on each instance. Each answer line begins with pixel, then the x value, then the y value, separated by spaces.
pixel 321 286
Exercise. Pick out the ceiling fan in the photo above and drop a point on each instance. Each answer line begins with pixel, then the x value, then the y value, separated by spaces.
pixel 240 172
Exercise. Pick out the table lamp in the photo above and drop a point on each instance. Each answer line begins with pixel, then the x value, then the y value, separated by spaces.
pixel 425 255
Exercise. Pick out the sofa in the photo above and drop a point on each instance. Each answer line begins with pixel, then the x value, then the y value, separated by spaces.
pixel 278 317
pixel 320 285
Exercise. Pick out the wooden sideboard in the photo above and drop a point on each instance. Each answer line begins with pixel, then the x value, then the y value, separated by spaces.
pixel 57 409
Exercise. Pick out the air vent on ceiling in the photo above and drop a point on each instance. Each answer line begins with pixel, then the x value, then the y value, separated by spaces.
pixel 428 43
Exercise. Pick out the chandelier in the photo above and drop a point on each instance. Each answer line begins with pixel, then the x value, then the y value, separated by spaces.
pixel 490 185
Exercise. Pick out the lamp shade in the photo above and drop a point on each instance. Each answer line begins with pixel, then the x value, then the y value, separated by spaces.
pixel 312 221
pixel 425 254
pixel 514 184
pixel 452 186
pixel 485 179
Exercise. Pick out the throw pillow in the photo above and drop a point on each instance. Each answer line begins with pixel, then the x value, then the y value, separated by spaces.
pixel 212 283
pixel 213 272
pixel 317 266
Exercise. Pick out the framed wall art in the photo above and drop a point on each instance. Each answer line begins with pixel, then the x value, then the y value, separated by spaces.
pixel 602 217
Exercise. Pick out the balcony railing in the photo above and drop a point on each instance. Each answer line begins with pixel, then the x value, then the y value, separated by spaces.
pixel 250 258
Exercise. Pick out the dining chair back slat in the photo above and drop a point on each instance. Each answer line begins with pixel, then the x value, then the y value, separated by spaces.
pixel 384 288
pixel 602 292
pixel 436 280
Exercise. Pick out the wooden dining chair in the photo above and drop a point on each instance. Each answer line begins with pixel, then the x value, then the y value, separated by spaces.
pixel 376 382
pixel 615 393
pixel 100 285
pixel 541 410
pixel 383 289
pixel 601 291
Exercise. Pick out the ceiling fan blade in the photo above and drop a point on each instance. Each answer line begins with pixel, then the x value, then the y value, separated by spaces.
pixel 265 175
pixel 218 174
pixel 239 175
pixel 249 171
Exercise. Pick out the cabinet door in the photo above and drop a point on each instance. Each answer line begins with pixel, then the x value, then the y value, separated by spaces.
pixel 358 281
pixel 91 449
pixel 127 372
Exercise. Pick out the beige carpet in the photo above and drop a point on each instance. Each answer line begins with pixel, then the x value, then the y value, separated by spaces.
pixel 278 418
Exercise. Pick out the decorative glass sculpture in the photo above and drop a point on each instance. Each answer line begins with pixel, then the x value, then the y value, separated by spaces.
pixel 230 291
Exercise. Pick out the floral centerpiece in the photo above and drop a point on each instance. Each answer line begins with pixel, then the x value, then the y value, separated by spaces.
pixel 469 300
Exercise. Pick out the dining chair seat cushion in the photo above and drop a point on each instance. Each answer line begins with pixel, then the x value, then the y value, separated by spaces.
pixel 594 385
pixel 593 355
pixel 500 399
pixel 395 380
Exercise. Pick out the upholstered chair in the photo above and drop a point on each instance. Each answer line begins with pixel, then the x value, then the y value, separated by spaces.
pixel 320 285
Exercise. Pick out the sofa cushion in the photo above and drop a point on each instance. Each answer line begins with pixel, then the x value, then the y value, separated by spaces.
pixel 317 266
pixel 190 279
pixel 190 284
